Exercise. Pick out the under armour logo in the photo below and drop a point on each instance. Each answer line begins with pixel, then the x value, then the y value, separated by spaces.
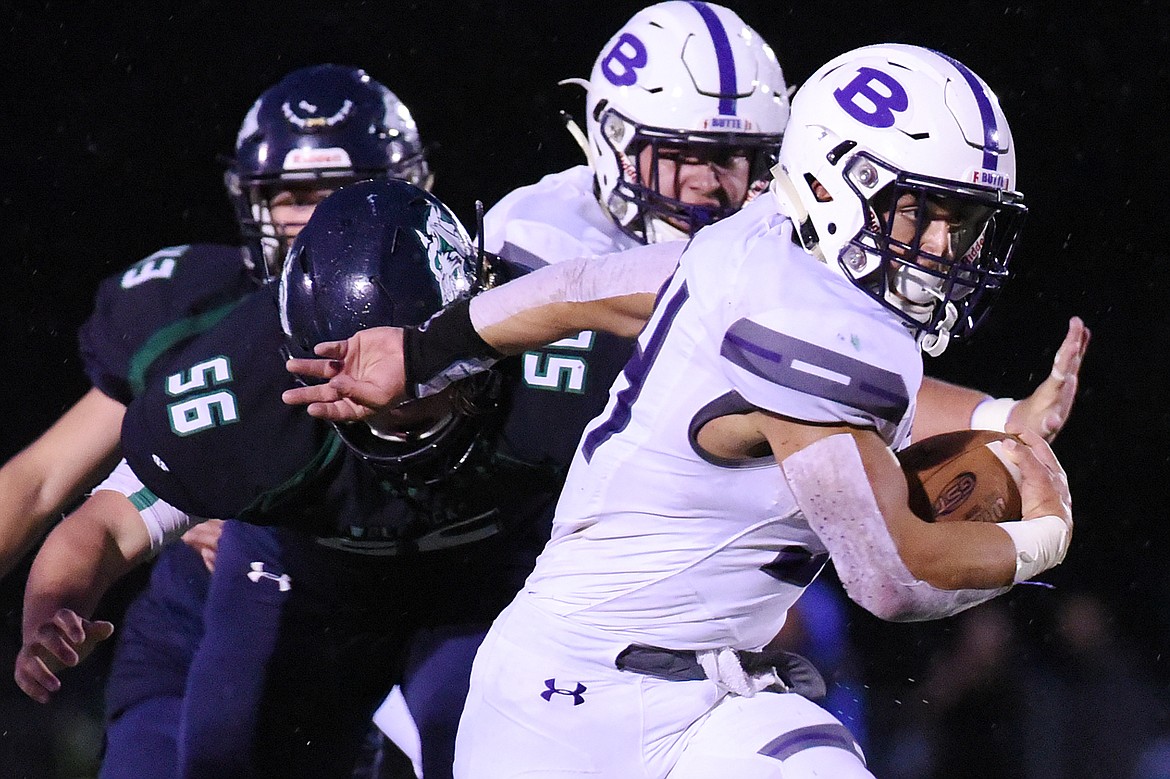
pixel 257 573
pixel 552 690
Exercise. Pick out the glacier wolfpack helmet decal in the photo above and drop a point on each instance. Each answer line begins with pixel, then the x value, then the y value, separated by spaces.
pixel 447 246
pixel 886 145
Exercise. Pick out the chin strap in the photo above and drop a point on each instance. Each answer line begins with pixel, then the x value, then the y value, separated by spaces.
pixel 788 200
pixel 571 123
pixel 935 344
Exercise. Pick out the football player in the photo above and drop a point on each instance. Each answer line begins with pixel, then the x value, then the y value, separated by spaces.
pixel 749 438
pixel 389 537
pixel 317 129
pixel 685 109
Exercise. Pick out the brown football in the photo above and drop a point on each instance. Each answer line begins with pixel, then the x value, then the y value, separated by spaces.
pixel 957 476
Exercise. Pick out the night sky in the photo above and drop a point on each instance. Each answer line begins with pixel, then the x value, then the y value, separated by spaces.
pixel 116 115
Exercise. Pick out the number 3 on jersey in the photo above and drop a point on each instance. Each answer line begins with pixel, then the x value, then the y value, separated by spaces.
pixel 209 407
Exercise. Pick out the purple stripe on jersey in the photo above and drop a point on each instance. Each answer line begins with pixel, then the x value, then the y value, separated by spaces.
pixel 723 56
pixel 826 735
pixel 635 373
pixel 991 145
pixel 773 356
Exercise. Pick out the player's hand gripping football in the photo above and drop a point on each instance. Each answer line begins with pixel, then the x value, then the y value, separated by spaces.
pixel 1047 409
pixel 1042 481
pixel 61 642
pixel 363 374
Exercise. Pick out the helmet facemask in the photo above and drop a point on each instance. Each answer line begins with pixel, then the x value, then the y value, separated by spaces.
pixel 259 196
pixel 647 201
pixel 439 438
pixel 933 251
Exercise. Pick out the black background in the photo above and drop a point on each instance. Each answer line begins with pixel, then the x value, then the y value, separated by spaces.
pixel 113 116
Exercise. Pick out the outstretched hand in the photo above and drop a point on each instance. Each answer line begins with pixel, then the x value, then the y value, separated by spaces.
pixel 1047 409
pixel 61 642
pixel 362 375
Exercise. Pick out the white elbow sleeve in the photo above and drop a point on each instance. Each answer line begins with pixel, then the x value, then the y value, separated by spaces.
pixel 831 488
pixel 643 269
pixel 163 521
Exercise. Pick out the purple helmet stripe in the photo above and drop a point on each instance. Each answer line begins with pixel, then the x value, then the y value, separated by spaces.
pixel 723 56
pixel 991 145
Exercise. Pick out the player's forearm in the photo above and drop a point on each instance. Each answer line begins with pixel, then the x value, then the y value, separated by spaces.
pixel 614 293
pixel 26 510
pixel 56 469
pixel 623 315
pixel 83 556
pixel 942 407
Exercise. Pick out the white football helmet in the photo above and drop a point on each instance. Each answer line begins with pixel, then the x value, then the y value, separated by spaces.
pixel 881 123
pixel 689 75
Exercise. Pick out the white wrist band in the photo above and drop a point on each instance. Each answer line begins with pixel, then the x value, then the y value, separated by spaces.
pixel 1041 543
pixel 992 414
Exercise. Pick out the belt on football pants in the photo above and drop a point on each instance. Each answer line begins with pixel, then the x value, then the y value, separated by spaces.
pixel 794 673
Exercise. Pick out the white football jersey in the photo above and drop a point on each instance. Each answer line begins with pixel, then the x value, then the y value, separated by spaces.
pixel 557 218
pixel 663 545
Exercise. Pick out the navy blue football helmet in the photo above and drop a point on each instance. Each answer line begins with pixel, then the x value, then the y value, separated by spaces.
pixel 387 253
pixel 315 130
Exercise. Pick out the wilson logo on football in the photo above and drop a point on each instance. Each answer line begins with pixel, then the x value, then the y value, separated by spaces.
pixel 954 494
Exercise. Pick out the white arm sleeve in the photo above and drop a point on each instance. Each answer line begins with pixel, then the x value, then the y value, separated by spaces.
pixel 832 490
pixel 639 270
pixel 163 521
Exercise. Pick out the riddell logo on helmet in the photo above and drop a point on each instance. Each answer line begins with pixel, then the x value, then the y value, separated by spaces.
pixel 301 159
pixel 733 123
pixel 990 178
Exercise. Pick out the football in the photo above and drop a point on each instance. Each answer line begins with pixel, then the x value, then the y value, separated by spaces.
pixel 961 476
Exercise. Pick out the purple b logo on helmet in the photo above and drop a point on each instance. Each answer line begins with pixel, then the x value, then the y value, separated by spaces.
pixel 872 98
pixel 620 66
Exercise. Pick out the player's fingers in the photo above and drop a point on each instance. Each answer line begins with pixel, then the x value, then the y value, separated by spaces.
pixel 54 648
pixel 70 624
pixel 315 393
pixel 1069 356
pixel 365 393
pixel 33 677
pixel 1039 448
pixel 314 369
pixel 338 411
pixel 97 631
pixel 332 349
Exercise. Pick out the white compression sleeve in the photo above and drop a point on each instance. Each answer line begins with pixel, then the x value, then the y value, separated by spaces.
pixel 831 488
pixel 638 270
pixel 163 521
